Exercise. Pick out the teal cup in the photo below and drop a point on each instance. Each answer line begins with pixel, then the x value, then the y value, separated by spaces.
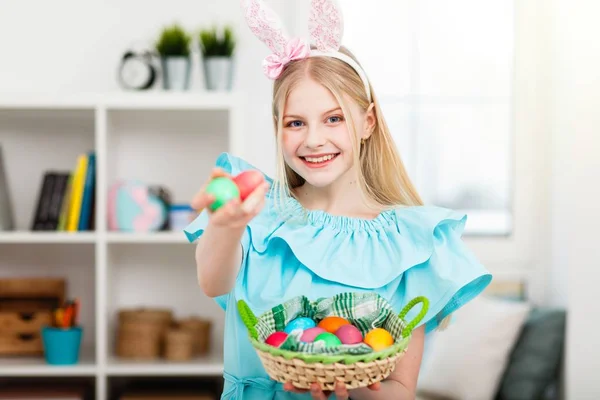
pixel 62 345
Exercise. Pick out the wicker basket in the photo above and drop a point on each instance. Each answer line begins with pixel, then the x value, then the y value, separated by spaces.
pixel 355 371
pixel 200 329
pixel 141 332
pixel 179 345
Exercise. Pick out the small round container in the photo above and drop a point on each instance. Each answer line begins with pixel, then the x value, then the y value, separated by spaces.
pixel 61 345
pixel 180 215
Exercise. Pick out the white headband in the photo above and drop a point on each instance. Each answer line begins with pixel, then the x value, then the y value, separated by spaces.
pixel 326 28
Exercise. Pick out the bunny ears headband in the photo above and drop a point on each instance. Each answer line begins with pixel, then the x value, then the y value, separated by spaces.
pixel 326 28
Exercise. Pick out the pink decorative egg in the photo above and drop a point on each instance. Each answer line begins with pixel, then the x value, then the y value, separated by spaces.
pixel 276 339
pixel 247 181
pixel 310 334
pixel 349 334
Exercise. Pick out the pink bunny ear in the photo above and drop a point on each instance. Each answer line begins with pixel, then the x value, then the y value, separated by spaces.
pixel 266 25
pixel 326 25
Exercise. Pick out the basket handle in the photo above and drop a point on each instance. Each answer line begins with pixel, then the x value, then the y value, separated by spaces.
pixel 248 318
pixel 411 325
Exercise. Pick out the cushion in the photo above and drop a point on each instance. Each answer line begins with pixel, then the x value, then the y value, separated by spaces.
pixel 467 360
pixel 535 361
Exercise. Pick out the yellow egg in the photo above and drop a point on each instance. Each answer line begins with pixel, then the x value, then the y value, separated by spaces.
pixel 379 339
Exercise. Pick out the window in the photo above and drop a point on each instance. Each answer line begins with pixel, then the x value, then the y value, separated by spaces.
pixel 443 71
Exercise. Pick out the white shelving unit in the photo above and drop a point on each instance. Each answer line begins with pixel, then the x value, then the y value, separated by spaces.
pixel 169 139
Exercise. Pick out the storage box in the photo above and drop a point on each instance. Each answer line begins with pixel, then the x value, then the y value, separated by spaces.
pixel 26 305
pixel 52 289
pixel 21 344
pixel 25 321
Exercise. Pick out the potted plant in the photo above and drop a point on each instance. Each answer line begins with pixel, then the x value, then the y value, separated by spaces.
pixel 173 47
pixel 217 57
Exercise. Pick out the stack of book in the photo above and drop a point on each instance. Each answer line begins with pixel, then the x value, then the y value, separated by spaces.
pixel 66 200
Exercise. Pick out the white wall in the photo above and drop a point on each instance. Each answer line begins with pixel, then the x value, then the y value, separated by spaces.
pixel 73 46
pixel 575 177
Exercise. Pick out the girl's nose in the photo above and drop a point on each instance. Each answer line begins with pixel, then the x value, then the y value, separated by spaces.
pixel 314 138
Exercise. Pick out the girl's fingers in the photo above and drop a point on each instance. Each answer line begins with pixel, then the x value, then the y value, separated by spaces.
pixel 291 388
pixel 317 393
pixel 259 207
pixel 218 172
pixel 227 212
pixel 341 393
pixel 202 200
pixel 253 201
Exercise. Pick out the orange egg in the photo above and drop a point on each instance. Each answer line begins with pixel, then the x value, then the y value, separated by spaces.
pixel 331 324
pixel 379 339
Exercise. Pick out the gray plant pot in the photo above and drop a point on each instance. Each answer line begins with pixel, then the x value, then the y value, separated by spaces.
pixel 218 73
pixel 176 71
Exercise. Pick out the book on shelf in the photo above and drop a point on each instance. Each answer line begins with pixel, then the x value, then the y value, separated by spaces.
pixel 66 199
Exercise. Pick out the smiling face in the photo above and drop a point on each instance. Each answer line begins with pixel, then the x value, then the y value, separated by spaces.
pixel 316 139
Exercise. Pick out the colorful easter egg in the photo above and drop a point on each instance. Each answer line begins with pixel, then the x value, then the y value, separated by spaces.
pixel 276 338
pixel 299 323
pixel 247 181
pixel 329 338
pixel 332 324
pixel 223 189
pixel 349 334
pixel 310 334
pixel 379 339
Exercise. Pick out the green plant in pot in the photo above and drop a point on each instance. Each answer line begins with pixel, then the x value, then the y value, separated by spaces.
pixel 217 49
pixel 173 47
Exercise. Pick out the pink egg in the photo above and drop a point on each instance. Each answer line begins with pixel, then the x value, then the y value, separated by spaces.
pixel 349 334
pixel 276 338
pixel 310 334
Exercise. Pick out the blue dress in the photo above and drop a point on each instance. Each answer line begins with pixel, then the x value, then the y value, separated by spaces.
pixel 400 254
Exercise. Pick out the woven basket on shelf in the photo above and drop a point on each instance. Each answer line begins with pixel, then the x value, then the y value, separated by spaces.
pixel 302 368
pixel 140 332
pixel 201 331
pixel 179 345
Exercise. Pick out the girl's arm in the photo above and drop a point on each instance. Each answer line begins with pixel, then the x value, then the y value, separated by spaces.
pixel 219 253
pixel 218 259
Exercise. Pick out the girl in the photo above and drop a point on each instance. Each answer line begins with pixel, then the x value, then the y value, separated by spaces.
pixel 341 216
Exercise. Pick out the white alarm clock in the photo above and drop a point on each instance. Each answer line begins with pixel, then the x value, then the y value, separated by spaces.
pixel 136 70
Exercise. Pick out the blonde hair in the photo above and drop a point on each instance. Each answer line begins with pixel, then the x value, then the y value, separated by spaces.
pixel 382 176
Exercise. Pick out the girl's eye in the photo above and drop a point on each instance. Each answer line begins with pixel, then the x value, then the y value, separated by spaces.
pixel 334 120
pixel 294 124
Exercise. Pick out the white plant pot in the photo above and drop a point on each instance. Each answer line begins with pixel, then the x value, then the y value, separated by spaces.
pixel 176 72
pixel 218 73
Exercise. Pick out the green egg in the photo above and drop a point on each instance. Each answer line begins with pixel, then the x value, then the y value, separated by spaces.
pixel 329 338
pixel 224 190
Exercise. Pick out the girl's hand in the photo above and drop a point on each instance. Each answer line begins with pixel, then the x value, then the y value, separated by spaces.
pixel 341 393
pixel 234 214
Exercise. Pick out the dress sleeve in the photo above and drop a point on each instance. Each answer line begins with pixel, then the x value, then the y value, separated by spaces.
pixel 450 277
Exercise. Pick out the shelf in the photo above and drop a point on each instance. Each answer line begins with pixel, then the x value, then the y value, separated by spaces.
pixel 33 237
pixel 211 365
pixel 155 237
pixel 171 100
pixel 121 100
pixel 151 137
pixel 46 237
pixel 37 366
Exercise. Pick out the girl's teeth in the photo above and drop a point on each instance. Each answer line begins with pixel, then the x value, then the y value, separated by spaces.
pixel 319 159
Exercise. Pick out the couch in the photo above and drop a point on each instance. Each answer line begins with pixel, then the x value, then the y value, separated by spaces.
pixel 496 348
